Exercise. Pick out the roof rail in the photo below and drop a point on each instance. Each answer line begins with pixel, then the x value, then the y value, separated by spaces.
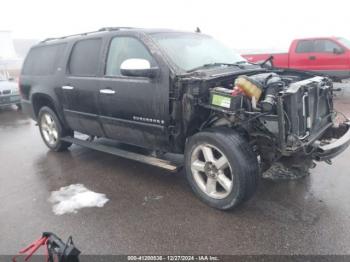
pixel 103 29
pixel 115 28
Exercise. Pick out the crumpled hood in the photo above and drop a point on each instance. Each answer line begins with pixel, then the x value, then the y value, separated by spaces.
pixel 6 85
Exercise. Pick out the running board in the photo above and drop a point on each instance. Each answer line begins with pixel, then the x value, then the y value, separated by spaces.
pixel 162 163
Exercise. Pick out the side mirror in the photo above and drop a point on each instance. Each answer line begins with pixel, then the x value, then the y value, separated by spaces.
pixel 138 67
pixel 338 50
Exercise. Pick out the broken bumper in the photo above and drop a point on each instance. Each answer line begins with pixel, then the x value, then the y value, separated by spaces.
pixel 340 141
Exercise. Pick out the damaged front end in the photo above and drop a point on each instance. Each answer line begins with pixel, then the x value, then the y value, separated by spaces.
pixel 333 142
pixel 288 116
pixel 308 123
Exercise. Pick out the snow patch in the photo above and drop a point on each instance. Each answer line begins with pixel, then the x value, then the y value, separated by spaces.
pixel 71 198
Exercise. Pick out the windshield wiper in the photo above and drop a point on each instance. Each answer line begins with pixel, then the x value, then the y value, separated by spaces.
pixel 238 64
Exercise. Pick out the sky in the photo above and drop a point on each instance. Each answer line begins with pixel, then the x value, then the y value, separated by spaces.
pixel 245 24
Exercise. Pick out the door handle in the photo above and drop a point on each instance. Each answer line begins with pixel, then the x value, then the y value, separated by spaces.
pixel 68 87
pixel 107 91
pixel 312 57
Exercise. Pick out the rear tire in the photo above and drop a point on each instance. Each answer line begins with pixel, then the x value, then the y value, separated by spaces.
pixel 221 168
pixel 52 130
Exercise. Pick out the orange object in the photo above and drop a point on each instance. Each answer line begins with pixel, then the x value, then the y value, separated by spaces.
pixel 248 87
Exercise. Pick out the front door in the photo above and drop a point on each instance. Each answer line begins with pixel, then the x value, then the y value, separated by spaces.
pixel 327 59
pixel 319 55
pixel 133 110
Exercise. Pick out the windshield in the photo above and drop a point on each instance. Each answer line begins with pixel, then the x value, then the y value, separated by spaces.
pixel 189 51
pixel 344 42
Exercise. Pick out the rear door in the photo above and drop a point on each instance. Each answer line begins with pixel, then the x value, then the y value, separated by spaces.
pixel 80 88
pixel 134 110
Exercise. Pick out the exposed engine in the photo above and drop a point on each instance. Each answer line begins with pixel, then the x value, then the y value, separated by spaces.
pixel 283 113
pixel 263 89
pixel 267 85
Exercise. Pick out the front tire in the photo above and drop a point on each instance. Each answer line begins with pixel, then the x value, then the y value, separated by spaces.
pixel 52 131
pixel 221 168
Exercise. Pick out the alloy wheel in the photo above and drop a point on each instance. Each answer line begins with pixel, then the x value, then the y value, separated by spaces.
pixel 49 129
pixel 211 171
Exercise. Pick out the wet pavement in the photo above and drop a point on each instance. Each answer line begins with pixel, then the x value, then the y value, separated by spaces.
pixel 152 211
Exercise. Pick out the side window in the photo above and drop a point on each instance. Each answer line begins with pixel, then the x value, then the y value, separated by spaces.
pixel 43 60
pixel 123 48
pixel 85 57
pixel 316 46
pixel 325 46
pixel 305 46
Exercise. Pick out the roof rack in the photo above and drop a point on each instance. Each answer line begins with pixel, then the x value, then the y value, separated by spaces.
pixel 115 28
pixel 103 29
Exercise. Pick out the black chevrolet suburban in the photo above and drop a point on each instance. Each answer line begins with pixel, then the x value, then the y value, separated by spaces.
pixel 185 93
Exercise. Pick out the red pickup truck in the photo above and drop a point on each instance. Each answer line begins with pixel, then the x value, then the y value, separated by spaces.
pixel 327 55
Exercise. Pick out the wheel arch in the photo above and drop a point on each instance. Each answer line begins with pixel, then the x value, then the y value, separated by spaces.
pixel 40 100
pixel 211 124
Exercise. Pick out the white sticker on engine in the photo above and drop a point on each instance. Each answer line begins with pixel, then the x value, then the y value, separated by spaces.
pixel 226 103
pixel 222 101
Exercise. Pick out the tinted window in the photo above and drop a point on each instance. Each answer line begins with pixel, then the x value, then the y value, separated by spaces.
pixel 84 58
pixel 43 60
pixel 305 46
pixel 123 48
pixel 317 46
pixel 325 46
